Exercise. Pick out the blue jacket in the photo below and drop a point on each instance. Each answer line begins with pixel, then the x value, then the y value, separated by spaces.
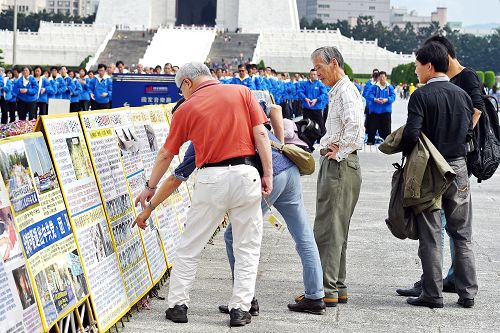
pixel 313 90
pixel 8 89
pixel 259 83
pixel 377 92
pixel 54 88
pixel 247 81
pixel 32 94
pixel 65 85
pixel 44 97
pixel 100 87
pixel 75 91
pixel 366 90
pixel 1 85
pixel 85 93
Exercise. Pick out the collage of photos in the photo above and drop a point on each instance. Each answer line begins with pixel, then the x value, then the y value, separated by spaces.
pixel 122 229
pixel 101 240
pixel 79 157
pixel 16 174
pixel 131 255
pixel 118 206
pixel 41 165
pixel 23 286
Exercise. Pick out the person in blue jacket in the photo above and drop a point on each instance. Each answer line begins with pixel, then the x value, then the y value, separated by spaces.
pixel 101 88
pixel 10 106
pixel 256 78
pixel 26 88
pixel 85 93
pixel 2 98
pixel 44 87
pixel 381 97
pixel 55 81
pixel 243 78
pixel 75 91
pixel 314 96
pixel 66 84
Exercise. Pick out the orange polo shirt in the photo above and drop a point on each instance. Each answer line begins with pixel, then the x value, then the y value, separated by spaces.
pixel 219 120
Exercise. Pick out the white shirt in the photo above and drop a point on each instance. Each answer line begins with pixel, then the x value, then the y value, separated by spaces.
pixel 344 124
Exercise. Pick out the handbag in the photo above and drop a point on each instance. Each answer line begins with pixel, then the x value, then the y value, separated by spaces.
pixel 301 158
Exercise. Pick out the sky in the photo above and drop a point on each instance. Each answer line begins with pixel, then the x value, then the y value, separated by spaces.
pixel 469 12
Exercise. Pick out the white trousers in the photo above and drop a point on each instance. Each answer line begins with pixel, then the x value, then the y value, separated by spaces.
pixel 237 191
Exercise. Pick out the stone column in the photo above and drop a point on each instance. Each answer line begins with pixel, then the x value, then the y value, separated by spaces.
pixel 171 13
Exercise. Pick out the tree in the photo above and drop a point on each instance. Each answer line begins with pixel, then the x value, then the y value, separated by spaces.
pixel 480 75
pixel 1 57
pixel 404 74
pixel 31 21
pixel 348 71
pixel 489 79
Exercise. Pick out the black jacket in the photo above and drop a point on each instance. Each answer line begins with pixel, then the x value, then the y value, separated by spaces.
pixel 443 112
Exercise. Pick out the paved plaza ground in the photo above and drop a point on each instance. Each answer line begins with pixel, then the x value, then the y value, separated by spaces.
pixel 378 263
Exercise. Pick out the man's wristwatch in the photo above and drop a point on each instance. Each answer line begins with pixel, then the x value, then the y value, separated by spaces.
pixel 149 187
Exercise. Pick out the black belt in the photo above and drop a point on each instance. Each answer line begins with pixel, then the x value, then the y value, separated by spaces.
pixel 325 151
pixel 248 160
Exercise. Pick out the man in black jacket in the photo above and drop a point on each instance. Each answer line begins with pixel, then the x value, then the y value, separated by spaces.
pixel 443 112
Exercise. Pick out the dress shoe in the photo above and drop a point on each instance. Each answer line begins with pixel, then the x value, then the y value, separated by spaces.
pixel 329 302
pixel 254 308
pixel 343 299
pixel 420 302
pixel 415 291
pixel 314 306
pixel 449 286
pixel 466 302
pixel 239 317
pixel 177 314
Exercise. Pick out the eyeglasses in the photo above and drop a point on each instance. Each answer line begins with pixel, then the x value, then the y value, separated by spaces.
pixel 241 71
pixel 180 88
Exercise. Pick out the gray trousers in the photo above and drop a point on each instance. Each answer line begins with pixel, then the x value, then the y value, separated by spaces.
pixel 458 210
pixel 339 184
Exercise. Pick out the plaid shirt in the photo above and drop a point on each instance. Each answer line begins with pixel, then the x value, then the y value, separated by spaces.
pixel 344 124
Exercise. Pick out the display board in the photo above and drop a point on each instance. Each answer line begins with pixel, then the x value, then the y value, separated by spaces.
pixel 52 260
pixel 18 309
pixel 111 142
pixel 79 187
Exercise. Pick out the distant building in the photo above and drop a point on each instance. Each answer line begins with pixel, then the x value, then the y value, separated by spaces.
pixel 331 11
pixel 400 16
pixel 24 6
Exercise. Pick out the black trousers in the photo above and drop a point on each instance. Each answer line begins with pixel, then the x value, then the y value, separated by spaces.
pixel 26 110
pixel 101 106
pixel 317 117
pixel 75 107
pixel 42 108
pixel 9 111
pixel 380 122
pixel 84 105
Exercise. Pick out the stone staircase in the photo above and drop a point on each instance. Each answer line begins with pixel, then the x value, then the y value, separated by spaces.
pixel 127 46
pixel 232 48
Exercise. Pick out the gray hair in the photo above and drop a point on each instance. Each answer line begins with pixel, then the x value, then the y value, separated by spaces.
pixel 327 54
pixel 191 71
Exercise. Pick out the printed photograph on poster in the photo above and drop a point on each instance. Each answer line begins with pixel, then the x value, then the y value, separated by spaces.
pixel 79 159
pixel 9 242
pixel 131 255
pixel 101 240
pixel 41 164
pixel 150 132
pixel 60 285
pixel 23 286
pixel 15 172
pixel 122 230
pixel 43 288
pixel 127 141
pixel 76 275
pixel 119 205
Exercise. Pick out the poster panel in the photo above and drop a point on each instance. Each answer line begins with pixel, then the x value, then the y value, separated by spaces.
pixel 18 309
pixel 114 150
pixel 79 188
pixel 42 222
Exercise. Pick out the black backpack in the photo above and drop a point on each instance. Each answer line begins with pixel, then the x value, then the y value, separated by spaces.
pixel 309 132
pixel 483 161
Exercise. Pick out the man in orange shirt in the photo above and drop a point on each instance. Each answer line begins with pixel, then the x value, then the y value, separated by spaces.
pixel 225 124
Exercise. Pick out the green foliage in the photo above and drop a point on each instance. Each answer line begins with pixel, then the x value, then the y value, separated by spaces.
pixel 261 65
pixel 478 52
pixel 85 61
pixel 480 74
pixel 404 74
pixel 31 21
pixel 348 71
pixel 489 79
pixel 1 57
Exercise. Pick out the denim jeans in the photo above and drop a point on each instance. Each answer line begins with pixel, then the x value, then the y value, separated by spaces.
pixel 287 198
pixel 451 272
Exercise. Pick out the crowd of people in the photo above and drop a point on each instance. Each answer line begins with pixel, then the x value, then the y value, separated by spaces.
pixel 441 117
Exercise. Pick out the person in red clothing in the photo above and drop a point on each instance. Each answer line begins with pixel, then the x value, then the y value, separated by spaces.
pixel 225 125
